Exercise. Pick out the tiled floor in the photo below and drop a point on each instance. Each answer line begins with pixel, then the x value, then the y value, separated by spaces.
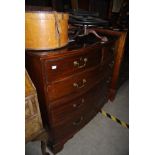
pixel 101 136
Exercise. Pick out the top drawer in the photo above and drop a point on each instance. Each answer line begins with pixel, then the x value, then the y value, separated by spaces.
pixel 56 69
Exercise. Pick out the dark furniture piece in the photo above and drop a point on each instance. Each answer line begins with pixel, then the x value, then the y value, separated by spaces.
pixel 73 83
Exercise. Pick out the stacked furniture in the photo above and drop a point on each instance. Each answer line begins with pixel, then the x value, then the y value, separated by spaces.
pixel 73 83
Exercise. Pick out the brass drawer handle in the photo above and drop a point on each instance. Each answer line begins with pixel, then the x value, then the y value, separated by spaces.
pixel 78 105
pixel 80 86
pixel 77 64
pixel 78 122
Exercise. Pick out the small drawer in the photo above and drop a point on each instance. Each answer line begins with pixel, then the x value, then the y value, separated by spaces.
pixel 73 85
pixel 56 69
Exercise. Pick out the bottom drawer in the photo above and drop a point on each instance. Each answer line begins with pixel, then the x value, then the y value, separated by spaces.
pixel 73 126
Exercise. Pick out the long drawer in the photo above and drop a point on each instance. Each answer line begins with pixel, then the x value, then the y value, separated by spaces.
pixel 62 67
pixel 75 124
pixel 63 111
pixel 74 84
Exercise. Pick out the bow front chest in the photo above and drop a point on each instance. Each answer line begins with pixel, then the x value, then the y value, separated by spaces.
pixel 72 84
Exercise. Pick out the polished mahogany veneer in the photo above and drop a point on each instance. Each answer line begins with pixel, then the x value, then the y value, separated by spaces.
pixel 73 83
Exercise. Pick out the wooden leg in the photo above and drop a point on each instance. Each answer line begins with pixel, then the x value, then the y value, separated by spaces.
pixel 55 148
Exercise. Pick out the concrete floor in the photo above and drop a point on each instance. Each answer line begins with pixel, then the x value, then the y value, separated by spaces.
pixel 101 136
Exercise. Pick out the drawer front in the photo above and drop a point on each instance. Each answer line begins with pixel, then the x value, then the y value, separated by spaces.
pixel 73 85
pixel 76 123
pixel 59 68
pixel 62 111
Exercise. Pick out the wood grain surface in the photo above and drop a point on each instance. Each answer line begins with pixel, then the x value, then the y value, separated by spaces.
pixel 33 122
pixel 45 30
pixel 70 95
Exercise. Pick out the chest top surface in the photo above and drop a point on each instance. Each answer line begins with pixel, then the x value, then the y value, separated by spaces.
pixel 80 44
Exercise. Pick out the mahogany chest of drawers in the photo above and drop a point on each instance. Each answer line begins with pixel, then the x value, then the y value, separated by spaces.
pixel 72 85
